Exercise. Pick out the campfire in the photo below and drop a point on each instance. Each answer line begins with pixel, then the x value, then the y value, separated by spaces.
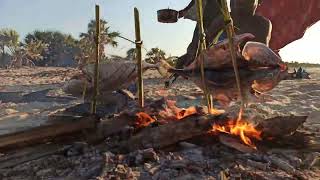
pixel 239 127
pixel 171 117
pixel 163 126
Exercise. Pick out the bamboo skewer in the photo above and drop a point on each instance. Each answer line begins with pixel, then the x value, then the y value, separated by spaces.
pixel 96 68
pixel 138 43
pixel 230 33
pixel 202 47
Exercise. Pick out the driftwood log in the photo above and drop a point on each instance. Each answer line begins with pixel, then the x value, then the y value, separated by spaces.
pixel 64 126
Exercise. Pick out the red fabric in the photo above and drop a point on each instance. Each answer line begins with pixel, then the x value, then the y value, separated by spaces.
pixel 289 18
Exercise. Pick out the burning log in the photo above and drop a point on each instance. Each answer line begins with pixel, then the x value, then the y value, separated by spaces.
pixel 277 128
pixel 239 128
pixel 171 133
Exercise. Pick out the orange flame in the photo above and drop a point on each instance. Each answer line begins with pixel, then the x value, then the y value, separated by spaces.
pixel 143 120
pixel 240 128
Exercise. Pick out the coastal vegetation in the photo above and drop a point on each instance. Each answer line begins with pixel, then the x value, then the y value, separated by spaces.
pixel 295 64
pixel 53 48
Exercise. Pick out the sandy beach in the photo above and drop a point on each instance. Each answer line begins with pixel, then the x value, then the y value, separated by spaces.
pixel 291 97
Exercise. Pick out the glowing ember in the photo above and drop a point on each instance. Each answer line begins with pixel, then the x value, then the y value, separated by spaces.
pixel 216 111
pixel 143 120
pixel 186 112
pixel 172 112
pixel 240 128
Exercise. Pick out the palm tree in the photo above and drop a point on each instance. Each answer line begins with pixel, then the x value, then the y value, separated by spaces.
pixel 155 55
pixel 131 53
pixel 106 38
pixel 28 53
pixel 59 44
pixel 34 50
pixel 9 38
pixel 84 52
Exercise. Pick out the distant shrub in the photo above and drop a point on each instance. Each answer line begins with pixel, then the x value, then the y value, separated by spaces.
pixel 294 64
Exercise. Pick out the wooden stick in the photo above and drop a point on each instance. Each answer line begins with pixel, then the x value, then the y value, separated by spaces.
pixel 96 68
pixel 202 47
pixel 139 56
pixel 230 32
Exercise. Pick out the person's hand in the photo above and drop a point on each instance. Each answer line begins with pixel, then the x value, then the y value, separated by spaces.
pixel 184 11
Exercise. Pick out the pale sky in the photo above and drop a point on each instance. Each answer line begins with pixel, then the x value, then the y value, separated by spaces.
pixel 72 16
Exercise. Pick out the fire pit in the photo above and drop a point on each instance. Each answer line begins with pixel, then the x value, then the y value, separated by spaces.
pixel 165 141
pixel 162 128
